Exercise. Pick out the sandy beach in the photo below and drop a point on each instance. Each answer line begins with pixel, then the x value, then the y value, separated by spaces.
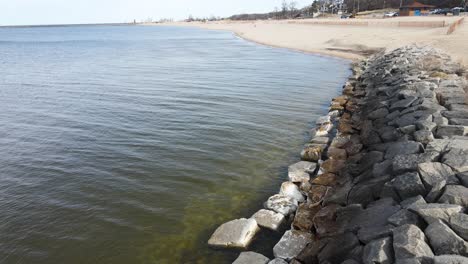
pixel 349 41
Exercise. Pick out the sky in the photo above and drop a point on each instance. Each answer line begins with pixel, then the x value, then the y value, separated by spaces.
pixel 39 12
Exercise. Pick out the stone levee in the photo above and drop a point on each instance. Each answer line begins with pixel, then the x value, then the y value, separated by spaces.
pixel 384 177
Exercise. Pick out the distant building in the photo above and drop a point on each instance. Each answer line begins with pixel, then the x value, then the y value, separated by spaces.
pixel 415 9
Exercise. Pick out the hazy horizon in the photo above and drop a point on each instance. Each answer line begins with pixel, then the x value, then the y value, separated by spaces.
pixel 53 12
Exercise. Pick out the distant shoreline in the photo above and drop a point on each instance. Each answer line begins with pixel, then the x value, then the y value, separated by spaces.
pixel 353 42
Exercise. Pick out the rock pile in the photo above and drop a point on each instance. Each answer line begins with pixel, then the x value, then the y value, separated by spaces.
pixel 384 178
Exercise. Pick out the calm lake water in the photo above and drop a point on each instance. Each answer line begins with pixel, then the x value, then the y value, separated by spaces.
pixel 131 144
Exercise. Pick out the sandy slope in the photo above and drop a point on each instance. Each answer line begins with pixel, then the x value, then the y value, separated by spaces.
pixel 347 41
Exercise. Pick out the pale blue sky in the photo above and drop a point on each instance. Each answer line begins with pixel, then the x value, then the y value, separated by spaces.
pixel 30 12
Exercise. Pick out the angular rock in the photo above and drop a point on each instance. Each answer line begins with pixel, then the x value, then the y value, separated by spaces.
pixel 336 153
pixel 333 166
pixel 376 214
pixel 463 178
pixel 277 261
pixel 326 179
pixel 281 204
pixel 320 140
pixel 408 185
pixel 312 152
pixel 455 194
pixel 378 251
pixel 379 113
pixel 456 158
pixel 444 131
pixel 368 234
pixel 404 217
pixel 316 194
pixel 269 219
pixel 291 190
pixel 409 242
pixel 434 172
pixel 234 234
pixel 250 257
pixel 412 201
pixel 291 244
pixel 450 259
pixel 338 248
pixel 303 220
pixel 434 211
pixel 444 241
pixel 436 192
pixel 423 136
pixel 404 147
pixel 459 224
pixel 300 172
pixel 324 220
pixel 402 104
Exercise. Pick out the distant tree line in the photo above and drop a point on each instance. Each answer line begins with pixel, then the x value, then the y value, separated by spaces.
pixel 287 10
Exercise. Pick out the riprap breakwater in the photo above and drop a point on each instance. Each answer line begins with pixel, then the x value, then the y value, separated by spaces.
pixel 384 178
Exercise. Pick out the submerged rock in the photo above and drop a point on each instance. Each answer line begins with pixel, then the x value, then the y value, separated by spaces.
pixel 234 234
pixel 291 190
pixel 299 172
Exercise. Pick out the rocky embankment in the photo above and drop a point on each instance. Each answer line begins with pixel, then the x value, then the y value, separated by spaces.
pixel 384 178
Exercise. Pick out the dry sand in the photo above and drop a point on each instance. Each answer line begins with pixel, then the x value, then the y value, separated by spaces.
pixel 348 41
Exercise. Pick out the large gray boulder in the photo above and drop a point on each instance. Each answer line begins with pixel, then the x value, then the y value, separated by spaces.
pixel 404 217
pixel 434 172
pixel 378 252
pixel 409 242
pixel 450 259
pixel 291 190
pixel 291 244
pixel 269 219
pixel 368 234
pixel 459 224
pixel 278 261
pixel 234 234
pixel 250 257
pixel 456 158
pixel 281 204
pixel 434 211
pixel 412 201
pixel 338 248
pixel 403 147
pixel 444 241
pixel 299 172
pixel 408 185
pixel 455 194
pixel 463 178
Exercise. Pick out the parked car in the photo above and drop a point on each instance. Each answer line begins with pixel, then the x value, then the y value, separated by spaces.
pixel 391 14
pixel 345 16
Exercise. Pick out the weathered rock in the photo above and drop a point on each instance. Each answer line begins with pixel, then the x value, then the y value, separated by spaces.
pixel 367 234
pixel 459 224
pixel 444 241
pixel 412 201
pixel 326 179
pixel 250 257
pixel 378 251
pixel 277 261
pixel 434 172
pixel 404 147
pixel 433 211
pixel 450 131
pixel 299 172
pixel 376 214
pixel 379 113
pixel 269 219
pixel 382 168
pixel 436 191
pixel 316 194
pixel 402 104
pixel 324 220
pixel 323 120
pixel 455 194
pixel 340 141
pixel 313 152
pixel 303 220
pixel 291 244
pixel 338 248
pixel 320 140
pixel 336 153
pixel 463 178
pixel 450 259
pixel 409 242
pixel 281 204
pixel 409 185
pixel 333 166
pixel 291 190
pixel 234 234
pixel 423 136
pixel 338 194
pixel 404 217
pixel 456 158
